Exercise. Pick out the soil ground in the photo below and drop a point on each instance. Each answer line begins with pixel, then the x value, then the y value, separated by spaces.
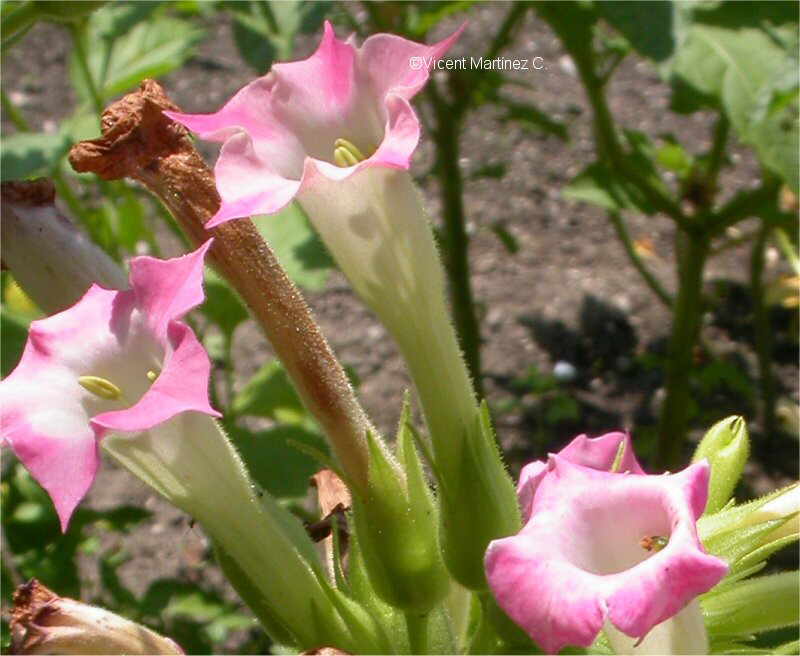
pixel 569 268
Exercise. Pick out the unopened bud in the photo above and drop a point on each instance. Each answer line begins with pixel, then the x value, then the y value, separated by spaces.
pixel 51 259
pixel 44 623
pixel 726 446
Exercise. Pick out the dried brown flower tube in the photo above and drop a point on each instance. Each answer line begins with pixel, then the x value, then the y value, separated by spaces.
pixel 139 142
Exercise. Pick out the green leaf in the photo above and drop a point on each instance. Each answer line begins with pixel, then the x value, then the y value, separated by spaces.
pixel 27 154
pixel 742 59
pixel 599 185
pixel 269 393
pixel 755 605
pixel 648 26
pixel 297 246
pixel 14 330
pixel 274 463
pixel 265 31
pixel 222 306
pixel 127 43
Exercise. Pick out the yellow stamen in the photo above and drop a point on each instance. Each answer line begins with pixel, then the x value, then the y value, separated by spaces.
pixel 350 146
pixel 101 387
pixel 152 375
pixel 618 457
pixel 653 542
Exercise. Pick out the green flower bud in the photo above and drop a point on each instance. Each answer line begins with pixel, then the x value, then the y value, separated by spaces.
pixel 397 530
pixel 726 446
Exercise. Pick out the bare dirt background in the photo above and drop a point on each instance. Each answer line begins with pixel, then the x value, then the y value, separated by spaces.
pixel 568 253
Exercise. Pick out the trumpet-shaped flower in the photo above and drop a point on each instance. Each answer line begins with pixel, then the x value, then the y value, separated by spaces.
pixel 336 133
pixel 342 110
pixel 614 548
pixel 116 361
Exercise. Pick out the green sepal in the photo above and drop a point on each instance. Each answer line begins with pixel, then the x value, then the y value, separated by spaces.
pixel 735 545
pixel 734 515
pixel 755 605
pixel 361 590
pixel 478 503
pixel 396 527
pixel 726 446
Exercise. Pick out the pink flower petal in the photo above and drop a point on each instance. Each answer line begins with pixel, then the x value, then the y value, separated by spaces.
pixel 597 453
pixel 49 416
pixel 279 131
pixel 579 558
pixel 182 386
pixel 168 289
pixel 64 466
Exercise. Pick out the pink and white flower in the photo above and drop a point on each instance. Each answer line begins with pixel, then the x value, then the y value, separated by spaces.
pixel 116 361
pixel 281 132
pixel 603 549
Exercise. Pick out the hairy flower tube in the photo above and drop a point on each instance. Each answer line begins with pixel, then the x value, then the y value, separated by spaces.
pixel 336 133
pixel 119 367
pixel 606 546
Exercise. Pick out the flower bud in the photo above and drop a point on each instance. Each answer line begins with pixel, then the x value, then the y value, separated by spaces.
pixel 726 446
pixel 397 529
pixel 44 623
pixel 51 259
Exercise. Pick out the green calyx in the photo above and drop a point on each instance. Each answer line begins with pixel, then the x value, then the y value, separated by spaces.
pixel 396 528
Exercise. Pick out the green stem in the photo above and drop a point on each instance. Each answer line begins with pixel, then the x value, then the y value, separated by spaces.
pixel 624 236
pixel 78 31
pixel 417 628
pixel 565 21
pixel 716 156
pixel 763 336
pixel 692 253
pixel 484 640
pixel 13 113
pixel 456 251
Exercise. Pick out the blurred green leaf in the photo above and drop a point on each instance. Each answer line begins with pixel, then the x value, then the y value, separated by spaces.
pixel 600 185
pixel 274 463
pixel 297 246
pixel 269 393
pixel 265 31
pixel 14 330
pixel 649 26
pixel 222 306
pixel 531 117
pixel 27 155
pixel 127 43
pixel 742 58
pixel 506 238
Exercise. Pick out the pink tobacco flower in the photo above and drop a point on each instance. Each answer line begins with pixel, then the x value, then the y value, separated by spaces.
pixel 603 547
pixel 116 361
pixel 342 110
pixel 598 453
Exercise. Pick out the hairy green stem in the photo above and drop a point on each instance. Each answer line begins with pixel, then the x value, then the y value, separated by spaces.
pixel 624 236
pixel 763 336
pixel 417 628
pixel 456 251
pixel 692 253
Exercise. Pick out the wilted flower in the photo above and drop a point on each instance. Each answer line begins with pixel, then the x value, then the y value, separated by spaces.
pixel 44 623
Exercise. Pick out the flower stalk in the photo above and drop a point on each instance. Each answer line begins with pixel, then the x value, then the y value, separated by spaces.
pixel 141 143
